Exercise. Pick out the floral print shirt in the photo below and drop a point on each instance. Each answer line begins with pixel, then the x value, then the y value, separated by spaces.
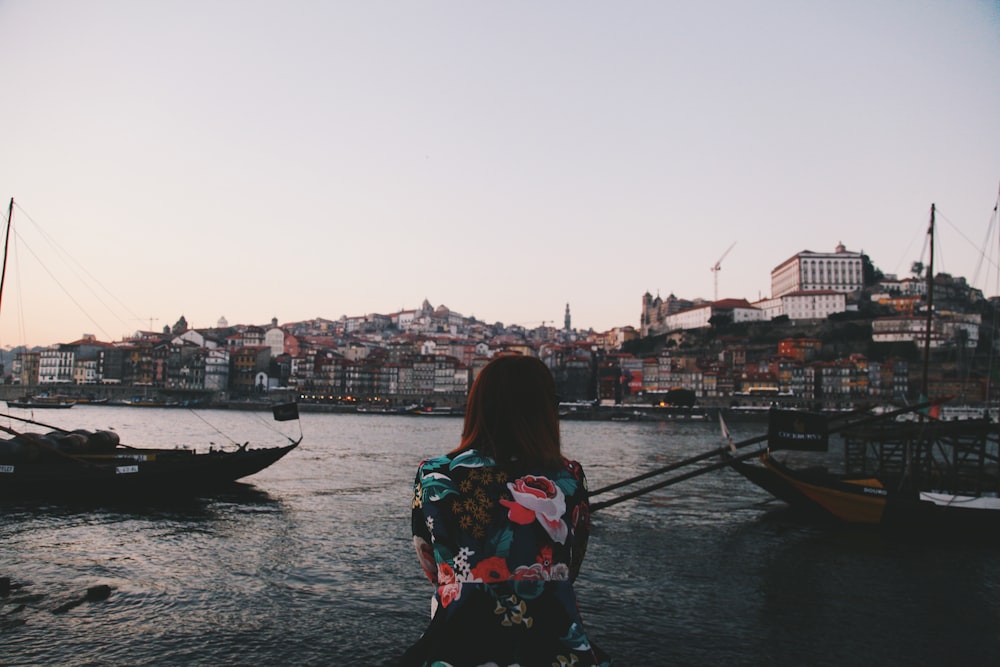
pixel 502 551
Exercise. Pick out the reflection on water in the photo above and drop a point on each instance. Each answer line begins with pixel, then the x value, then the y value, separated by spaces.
pixel 311 563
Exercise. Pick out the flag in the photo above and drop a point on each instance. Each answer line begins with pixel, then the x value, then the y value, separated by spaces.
pixel 726 434
pixel 933 410
pixel 795 429
pixel 285 411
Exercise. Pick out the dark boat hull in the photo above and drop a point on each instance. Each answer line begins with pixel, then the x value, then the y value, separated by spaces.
pixel 129 473
pixel 31 405
pixel 851 500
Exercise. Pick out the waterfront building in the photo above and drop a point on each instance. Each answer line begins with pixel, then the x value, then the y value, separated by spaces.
pixel 632 374
pixel 274 338
pixel 245 362
pixel 216 369
pixel 833 380
pixel 111 365
pixel 55 364
pixel 710 383
pixel 85 371
pixel 804 382
pixel 185 366
pixel 760 383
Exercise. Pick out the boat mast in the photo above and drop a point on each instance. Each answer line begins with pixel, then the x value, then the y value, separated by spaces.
pixel 930 307
pixel 6 240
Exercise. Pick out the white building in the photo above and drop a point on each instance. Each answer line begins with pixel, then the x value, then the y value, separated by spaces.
pixel 813 305
pixel 700 316
pixel 905 287
pixel 839 271
pixel 55 365
pixel 692 318
pixel 945 332
pixel 274 338
pixel 217 369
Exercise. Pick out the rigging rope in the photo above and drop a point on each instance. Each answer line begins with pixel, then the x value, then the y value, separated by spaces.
pixel 267 424
pixel 212 426
pixel 77 268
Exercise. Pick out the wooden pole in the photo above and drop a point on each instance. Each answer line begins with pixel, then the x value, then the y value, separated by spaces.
pixel 6 241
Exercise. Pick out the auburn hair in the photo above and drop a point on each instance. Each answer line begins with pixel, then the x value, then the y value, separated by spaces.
pixel 512 414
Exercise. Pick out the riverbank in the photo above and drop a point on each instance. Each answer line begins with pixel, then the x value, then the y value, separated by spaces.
pixel 732 409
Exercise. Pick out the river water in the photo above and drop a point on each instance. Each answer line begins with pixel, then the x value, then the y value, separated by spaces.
pixel 311 562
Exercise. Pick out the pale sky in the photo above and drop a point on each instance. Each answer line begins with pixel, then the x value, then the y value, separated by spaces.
pixel 320 158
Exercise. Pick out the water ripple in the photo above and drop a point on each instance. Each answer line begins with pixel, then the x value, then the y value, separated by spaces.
pixel 311 563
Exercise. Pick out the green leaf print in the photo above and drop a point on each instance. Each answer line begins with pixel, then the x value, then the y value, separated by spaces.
pixel 471 458
pixel 501 542
pixel 576 639
pixel 437 486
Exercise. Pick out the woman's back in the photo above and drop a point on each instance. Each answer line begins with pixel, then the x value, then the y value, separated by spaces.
pixel 500 525
pixel 502 548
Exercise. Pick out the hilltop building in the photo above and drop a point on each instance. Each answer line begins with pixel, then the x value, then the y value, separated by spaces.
pixel 839 271
pixel 655 312
pixel 804 305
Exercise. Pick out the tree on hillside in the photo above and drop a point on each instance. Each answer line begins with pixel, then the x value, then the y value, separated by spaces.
pixel 871 274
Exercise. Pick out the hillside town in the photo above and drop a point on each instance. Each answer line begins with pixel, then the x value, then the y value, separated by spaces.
pixel 835 331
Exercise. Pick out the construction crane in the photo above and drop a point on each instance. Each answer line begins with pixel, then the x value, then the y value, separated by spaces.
pixel 718 267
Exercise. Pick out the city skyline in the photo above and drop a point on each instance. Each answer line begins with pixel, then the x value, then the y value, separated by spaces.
pixel 326 159
pixel 158 324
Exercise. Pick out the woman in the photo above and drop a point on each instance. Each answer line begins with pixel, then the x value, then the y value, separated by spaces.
pixel 500 525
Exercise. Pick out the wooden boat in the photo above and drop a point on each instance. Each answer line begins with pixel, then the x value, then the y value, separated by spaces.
pixel 95 465
pixel 853 500
pixel 32 402
pixel 60 463
pixel 928 477
pixel 434 411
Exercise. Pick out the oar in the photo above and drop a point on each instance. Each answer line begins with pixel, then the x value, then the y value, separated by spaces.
pixel 719 451
pixel 32 421
pixel 673 480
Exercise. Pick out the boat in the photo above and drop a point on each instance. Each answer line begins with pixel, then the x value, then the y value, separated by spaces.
pixel 148 403
pixel 434 411
pixel 928 475
pixel 88 400
pixel 80 464
pixel 30 402
pixel 906 469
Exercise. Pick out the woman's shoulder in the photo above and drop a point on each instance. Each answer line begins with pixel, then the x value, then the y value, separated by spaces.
pixel 468 458
pixel 572 467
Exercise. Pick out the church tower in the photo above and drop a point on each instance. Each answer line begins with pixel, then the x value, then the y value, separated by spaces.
pixel 566 320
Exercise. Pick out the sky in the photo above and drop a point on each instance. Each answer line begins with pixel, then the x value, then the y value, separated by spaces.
pixel 292 160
